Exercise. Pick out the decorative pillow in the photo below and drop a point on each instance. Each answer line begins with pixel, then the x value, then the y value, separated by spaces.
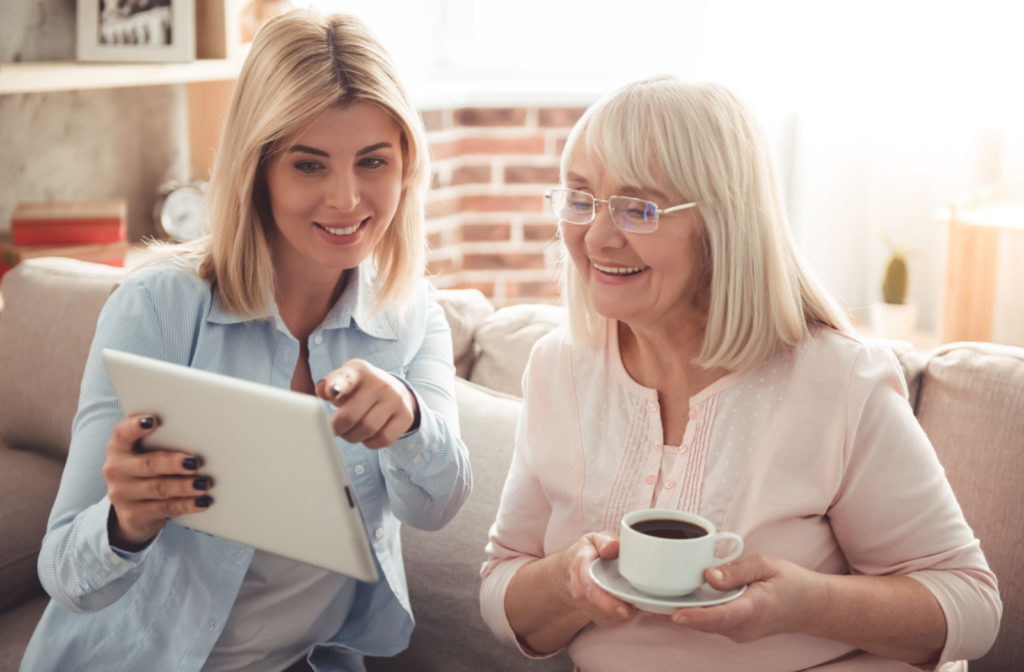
pixel 504 341
pixel 465 309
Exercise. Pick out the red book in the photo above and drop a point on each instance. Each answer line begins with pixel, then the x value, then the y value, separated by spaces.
pixel 71 223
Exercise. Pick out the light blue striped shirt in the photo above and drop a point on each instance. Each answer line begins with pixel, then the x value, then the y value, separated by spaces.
pixel 164 608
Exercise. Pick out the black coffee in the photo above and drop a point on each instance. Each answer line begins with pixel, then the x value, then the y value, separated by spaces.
pixel 667 528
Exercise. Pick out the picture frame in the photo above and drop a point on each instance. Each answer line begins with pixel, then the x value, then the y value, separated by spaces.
pixel 140 31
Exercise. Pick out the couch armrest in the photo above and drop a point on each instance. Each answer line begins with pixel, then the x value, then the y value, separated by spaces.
pixel 49 316
pixel 972 408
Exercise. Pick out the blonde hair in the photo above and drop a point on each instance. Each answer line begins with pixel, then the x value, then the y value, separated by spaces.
pixel 299 65
pixel 707 147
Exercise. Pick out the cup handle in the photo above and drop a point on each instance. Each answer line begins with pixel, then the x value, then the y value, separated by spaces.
pixel 728 536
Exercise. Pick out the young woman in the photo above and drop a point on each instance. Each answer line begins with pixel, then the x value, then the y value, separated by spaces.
pixel 311 279
pixel 706 370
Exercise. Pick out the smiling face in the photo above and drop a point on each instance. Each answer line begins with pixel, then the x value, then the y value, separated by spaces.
pixel 334 187
pixel 650 280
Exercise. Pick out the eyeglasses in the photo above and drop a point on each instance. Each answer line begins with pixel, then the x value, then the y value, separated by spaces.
pixel 634 215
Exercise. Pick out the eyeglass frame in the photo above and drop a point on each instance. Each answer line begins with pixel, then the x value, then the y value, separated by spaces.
pixel 658 212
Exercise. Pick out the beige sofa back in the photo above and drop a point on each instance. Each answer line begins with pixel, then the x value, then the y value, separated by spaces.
pixel 968 397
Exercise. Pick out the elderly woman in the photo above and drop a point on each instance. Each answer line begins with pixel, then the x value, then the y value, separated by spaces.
pixel 705 370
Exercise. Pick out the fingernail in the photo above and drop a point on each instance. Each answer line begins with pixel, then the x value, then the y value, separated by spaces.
pixel 190 463
pixel 335 390
pixel 203 501
pixel 717 574
pixel 146 422
pixel 623 612
pixel 200 484
pixel 680 619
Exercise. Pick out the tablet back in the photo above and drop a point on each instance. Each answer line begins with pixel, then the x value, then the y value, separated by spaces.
pixel 279 483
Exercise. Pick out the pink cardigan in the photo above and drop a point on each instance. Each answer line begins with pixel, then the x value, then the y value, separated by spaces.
pixel 815 457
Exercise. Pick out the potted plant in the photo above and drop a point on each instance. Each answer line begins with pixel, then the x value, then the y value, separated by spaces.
pixel 893 317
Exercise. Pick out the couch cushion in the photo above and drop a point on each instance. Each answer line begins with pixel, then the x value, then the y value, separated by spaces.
pixel 504 341
pixel 972 407
pixel 443 567
pixel 30 483
pixel 465 310
pixel 16 626
pixel 46 327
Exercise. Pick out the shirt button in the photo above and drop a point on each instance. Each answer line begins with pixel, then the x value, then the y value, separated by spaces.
pixel 652 407
pixel 651 478
pixel 670 485
pixel 379 532
pixel 683 448
pixel 319 339
pixel 360 469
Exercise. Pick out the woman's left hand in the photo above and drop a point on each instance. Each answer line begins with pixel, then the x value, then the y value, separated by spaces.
pixel 781 597
pixel 373 407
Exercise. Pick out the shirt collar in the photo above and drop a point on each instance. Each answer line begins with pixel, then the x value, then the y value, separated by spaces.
pixel 355 307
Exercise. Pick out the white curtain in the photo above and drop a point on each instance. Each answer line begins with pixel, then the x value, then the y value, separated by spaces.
pixel 882 112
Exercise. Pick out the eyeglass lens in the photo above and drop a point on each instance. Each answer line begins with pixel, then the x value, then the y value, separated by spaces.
pixel 629 214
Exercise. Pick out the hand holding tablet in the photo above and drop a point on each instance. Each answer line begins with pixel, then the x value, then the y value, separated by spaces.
pixel 147 488
pixel 281 485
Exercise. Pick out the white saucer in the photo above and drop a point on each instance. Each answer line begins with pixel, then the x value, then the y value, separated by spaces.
pixel 606 574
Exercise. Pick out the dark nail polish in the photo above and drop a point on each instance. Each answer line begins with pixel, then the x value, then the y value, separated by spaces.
pixel 200 484
pixel 146 422
pixel 190 463
pixel 203 501
pixel 335 390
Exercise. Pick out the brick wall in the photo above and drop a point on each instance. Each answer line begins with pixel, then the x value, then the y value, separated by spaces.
pixel 488 224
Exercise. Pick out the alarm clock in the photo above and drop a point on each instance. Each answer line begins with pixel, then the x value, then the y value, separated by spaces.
pixel 180 212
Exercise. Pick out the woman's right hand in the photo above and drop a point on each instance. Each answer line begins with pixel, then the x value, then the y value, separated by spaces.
pixel 590 599
pixel 550 600
pixel 147 488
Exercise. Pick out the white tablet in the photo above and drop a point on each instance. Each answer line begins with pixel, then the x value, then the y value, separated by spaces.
pixel 279 481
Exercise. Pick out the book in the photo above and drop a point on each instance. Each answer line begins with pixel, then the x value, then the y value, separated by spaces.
pixel 69 223
pixel 111 254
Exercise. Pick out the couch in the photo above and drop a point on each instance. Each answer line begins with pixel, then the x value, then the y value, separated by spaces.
pixel 969 397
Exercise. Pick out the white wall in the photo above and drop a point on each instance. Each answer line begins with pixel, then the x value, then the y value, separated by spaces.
pixel 881 111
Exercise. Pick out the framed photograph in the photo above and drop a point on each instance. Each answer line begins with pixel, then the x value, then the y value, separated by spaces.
pixel 142 31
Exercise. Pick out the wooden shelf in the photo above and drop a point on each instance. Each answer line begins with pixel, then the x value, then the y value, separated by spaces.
pixel 43 76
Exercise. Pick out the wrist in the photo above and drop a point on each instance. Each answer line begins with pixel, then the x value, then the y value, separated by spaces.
pixel 413 405
pixel 817 606
pixel 118 538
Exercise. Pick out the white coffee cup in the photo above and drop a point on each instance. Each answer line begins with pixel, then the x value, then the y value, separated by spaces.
pixel 663 552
